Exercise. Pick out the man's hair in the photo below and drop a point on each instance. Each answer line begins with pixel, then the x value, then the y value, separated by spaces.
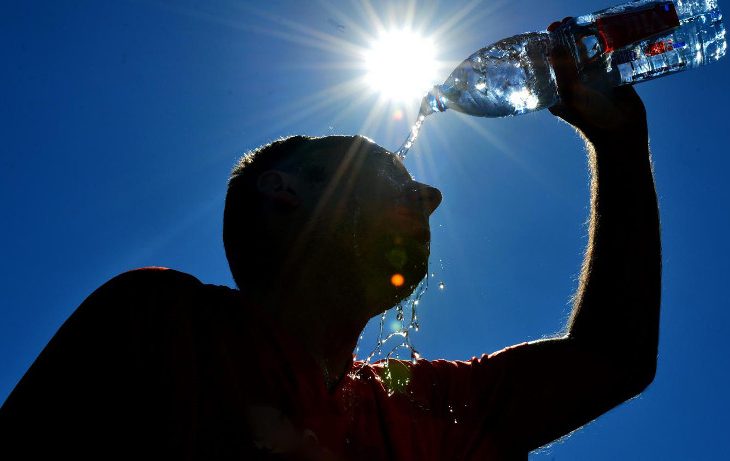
pixel 241 231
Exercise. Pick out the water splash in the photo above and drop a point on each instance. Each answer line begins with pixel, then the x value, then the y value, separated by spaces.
pixel 357 345
pixel 406 326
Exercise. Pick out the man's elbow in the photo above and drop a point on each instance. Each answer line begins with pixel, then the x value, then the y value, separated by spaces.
pixel 639 377
pixel 629 374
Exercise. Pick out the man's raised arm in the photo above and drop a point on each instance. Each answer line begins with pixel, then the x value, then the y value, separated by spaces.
pixel 609 351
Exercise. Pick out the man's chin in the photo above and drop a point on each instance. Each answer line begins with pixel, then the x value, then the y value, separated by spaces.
pixel 403 283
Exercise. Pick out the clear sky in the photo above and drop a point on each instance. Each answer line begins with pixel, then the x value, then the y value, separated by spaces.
pixel 121 120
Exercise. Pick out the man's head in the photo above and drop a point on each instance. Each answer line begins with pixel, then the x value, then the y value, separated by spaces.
pixel 326 215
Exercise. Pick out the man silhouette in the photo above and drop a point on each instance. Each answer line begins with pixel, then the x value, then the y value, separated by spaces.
pixel 156 364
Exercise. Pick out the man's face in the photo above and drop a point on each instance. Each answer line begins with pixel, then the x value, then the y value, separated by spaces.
pixel 374 217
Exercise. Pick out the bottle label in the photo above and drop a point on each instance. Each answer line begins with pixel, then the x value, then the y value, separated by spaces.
pixel 622 29
pixel 663 46
pixel 653 49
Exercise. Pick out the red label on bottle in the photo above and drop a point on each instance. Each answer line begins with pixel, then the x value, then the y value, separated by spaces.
pixel 658 48
pixel 618 30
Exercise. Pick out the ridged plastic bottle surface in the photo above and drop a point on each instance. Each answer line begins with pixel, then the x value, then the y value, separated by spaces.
pixel 672 36
pixel 625 44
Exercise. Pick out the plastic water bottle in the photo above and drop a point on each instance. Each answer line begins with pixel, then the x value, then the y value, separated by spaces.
pixel 623 45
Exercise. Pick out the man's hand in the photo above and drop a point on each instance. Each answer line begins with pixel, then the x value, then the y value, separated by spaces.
pixel 598 114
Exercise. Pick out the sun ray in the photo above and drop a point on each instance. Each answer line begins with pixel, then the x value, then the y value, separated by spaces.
pixel 362 34
pixel 353 105
pixel 321 97
pixel 376 113
pixel 410 15
pixel 312 37
pixel 442 139
pixel 324 42
pixel 457 19
pixel 372 16
pixel 307 106
pixel 507 151
pixel 493 140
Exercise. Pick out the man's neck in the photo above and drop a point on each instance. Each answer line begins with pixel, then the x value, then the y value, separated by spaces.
pixel 329 343
pixel 326 329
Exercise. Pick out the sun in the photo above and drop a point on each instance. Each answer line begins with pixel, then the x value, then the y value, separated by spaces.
pixel 401 65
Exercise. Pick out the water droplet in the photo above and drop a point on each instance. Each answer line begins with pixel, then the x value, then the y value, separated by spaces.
pixel 397 328
pixel 442 286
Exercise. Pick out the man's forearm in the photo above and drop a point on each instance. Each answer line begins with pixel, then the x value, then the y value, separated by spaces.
pixel 616 307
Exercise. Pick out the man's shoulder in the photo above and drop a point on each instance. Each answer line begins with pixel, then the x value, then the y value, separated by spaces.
pixel 148 292
pixel 158 282
pixel 152 277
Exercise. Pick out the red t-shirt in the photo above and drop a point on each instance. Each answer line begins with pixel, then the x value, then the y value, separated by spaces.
pixel 157 364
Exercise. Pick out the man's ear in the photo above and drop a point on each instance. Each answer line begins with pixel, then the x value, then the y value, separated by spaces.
pixel 278 187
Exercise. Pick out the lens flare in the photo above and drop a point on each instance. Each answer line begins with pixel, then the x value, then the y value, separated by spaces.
pixel 397 280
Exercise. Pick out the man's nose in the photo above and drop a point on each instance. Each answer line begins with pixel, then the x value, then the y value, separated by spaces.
pixel 424 195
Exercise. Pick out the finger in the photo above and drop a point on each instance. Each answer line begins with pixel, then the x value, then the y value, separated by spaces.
pixel 562 112
pixel 625 92
pixel 630 98
pixel 557 110
pixel 566 73
pixel 557 24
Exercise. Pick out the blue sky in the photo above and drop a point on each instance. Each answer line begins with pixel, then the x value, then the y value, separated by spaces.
pixel 121 121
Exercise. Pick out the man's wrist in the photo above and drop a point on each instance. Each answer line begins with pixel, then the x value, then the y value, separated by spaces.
pixel 629 141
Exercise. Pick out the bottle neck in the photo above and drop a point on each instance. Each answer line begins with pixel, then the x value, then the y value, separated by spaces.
pixel 434 101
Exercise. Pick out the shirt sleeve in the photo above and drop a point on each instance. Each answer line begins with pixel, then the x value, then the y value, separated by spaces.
pixel 467 399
